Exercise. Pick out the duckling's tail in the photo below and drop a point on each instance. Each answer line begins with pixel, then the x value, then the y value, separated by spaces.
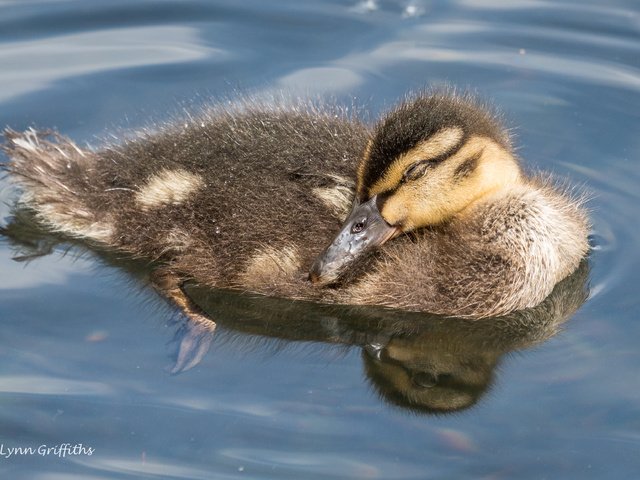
pixel 52 173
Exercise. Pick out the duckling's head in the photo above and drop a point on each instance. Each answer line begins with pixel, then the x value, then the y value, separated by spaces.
pixel 428 161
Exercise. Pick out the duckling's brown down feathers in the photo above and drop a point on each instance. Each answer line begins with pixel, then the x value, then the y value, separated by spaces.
pixel 248 198
pixel 246 192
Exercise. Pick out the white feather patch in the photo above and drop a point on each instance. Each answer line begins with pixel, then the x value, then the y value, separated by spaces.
pixel 338 198
pixel 70 220
pixel 169 187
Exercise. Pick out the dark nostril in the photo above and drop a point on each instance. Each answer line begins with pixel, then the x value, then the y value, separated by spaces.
pixel 358 227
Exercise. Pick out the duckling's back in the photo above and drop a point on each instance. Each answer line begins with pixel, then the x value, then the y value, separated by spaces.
pixel 232 197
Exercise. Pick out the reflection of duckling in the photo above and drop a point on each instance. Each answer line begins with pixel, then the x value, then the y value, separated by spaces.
pixel 427 364
pixel 449 363
pixel 247 198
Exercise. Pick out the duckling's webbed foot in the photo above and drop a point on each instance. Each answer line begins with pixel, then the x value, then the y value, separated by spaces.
pixel 196 334
pixel 194 342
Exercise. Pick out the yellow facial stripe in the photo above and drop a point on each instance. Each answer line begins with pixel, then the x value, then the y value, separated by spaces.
pixel 435 145
pixel 361 167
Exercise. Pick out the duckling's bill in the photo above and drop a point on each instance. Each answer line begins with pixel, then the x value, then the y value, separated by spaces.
pixel 363 230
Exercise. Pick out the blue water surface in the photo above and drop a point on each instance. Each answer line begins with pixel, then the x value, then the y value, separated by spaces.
pixel 84 346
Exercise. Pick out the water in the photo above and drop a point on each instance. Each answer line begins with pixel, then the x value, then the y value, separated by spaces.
pixel 84 346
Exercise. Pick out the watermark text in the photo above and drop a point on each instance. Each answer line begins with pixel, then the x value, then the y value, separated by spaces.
pixel 61 451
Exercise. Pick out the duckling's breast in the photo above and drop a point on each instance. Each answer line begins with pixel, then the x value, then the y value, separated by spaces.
pixel 506 254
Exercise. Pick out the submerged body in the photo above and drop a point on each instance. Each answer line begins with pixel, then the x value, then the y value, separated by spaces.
pixel 248 198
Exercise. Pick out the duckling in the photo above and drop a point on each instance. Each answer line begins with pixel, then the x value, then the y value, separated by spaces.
pixel 246 197
pixel 487 239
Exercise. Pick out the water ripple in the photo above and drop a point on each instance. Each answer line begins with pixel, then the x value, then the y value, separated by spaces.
pixel 35 64
pixel 148 468
pixel 317 464
pixel 45 385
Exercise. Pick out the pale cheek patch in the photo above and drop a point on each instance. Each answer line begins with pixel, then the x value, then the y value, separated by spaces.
pixel 169 187
pixel 396 210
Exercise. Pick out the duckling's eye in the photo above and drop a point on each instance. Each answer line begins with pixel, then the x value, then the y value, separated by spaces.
pixel 358 226
pixel 416 170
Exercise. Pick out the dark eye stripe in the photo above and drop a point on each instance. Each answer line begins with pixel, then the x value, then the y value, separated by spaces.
pixel 467 167
pixel 414 171
pixel 417 170
pixel 432 162
pixel 381 156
